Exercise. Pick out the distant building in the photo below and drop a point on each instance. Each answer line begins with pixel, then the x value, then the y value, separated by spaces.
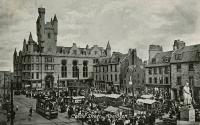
pixel 5 80
pixel 158 70
pixel 107 72
pixel 40 64
pixel 132 71
pixel 113 74
pixel 169 71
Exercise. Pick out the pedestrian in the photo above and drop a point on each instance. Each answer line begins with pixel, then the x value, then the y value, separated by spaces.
pixel 30 111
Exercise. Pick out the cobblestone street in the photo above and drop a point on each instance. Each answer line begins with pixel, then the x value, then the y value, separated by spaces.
pixel 23 119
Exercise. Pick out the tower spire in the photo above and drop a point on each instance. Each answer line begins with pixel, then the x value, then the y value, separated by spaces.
pixel 30 37
pixel 55 18
pixel 108 46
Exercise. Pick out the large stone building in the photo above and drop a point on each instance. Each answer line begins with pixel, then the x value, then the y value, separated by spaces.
pixel 169 71
pixel 40 64
pixel 158 70
pixel 5 80
pixel 113 74
pixel 185 67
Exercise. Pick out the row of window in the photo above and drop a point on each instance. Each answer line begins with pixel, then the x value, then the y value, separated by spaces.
pixel 179 80
pixel 37 59
pixel 113 68
pixel 31 75
pixel 99 78
pixel 159 70
pixel 75 69
pixel 190 67
pixel 37 67
pixel 159 80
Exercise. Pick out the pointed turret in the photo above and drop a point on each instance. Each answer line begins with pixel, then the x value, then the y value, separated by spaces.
pixel 55 18
pixel 108 50
pixel 30 39
pixel 15 52
pixel 87 47
pixel 24 45
pixel 15 56
pixel 55 24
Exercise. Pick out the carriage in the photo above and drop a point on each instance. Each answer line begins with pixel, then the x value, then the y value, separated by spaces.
pixel 47 108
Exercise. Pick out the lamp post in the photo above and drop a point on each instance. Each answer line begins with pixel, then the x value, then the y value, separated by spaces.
pixel 4 87
pixel 12 113
pixel 133 103
pixel 58 86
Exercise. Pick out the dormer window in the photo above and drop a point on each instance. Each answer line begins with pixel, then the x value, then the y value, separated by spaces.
pixel 74 52
pixel 178 56
pixel 154 61
pixel 95 52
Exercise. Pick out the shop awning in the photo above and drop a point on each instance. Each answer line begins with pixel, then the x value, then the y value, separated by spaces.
pixel 146 101
pixel 112 109
pixel 115 96
pixel 78 97
pixel 147 96
pixel 99 95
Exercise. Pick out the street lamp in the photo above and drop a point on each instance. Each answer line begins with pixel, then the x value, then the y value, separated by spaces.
pixel 133 103
pixel 12 113
pixel 58 86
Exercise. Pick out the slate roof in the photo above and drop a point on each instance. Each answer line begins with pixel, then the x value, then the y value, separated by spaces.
pixel 187 53
pixel 161 59
pixel 116 58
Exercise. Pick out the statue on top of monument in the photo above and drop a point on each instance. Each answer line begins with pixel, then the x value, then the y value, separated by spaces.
pixel 187 94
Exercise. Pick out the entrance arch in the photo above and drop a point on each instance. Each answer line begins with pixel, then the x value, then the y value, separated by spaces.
pixel 49 80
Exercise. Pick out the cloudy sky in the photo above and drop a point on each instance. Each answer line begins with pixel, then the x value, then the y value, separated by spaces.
pixel 125 23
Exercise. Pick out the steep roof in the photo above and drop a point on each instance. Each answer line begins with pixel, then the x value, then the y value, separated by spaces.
pixel 186 54
pixel 160 59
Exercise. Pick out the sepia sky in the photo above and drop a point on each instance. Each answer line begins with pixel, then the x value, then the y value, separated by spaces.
pixel 125 23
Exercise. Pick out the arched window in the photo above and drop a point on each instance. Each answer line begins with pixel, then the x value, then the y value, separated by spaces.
pixel 64 68
pixel 85 68
pixel 75 70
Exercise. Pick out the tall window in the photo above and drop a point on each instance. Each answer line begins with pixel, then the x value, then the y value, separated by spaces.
pixel 115 68
pixel 191 80
pixel 155 80
pixel 111 79
pixel 37 67
pixel 75 70
pixel 166 70
pixel 37 59
pixel 32 75
pixel 32 67
pixel 178 67
pixel 191 67
pixel 37 75
pixel 150 80
pixel 115 77
pixel 150 71
pixel 161 80
pixel 160 70
pixel 64 69
pixel 85 68
pixel 110 68
pixel 179 80
pixel 155 70
pixel 166 80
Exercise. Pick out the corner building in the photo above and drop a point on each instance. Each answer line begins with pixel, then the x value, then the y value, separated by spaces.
pixel 43 64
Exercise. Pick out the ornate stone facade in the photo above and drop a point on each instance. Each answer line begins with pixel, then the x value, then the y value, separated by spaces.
pixel 40 64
